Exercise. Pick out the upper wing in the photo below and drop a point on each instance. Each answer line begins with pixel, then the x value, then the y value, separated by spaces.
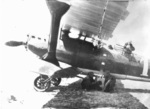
pixel 98 17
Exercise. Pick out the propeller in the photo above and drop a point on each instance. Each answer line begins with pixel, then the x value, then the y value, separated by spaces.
pixel 15 43
pixel 19 43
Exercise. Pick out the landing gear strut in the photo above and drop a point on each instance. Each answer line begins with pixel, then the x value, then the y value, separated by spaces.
pixel 56 81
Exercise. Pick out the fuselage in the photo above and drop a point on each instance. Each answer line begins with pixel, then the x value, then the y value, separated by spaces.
pixel 81 53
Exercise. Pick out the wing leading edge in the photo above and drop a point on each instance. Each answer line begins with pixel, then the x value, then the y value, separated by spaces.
pixel 98 17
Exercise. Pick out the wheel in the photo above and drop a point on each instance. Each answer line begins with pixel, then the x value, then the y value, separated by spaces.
pixel 56 81
pixel 40 85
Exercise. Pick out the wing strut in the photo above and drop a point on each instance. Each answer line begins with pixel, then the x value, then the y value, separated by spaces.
pixel 57 10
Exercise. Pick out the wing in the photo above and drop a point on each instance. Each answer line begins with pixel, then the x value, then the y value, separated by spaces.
pixel 98 17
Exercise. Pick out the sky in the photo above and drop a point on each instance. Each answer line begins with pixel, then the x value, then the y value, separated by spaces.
pixel 136 27
pixel 22 17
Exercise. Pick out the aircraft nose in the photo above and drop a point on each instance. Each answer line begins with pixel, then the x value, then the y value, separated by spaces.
pixel 37 45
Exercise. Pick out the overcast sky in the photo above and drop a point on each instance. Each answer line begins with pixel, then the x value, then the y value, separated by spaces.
pixel 22 17
pixel 136 26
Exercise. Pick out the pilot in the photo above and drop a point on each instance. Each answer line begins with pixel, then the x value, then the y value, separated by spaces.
pixel 109 82
pixel 97 42
pixel 128 47
pixel 89 83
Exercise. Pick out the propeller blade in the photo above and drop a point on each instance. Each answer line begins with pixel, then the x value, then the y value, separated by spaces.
pixel 14 43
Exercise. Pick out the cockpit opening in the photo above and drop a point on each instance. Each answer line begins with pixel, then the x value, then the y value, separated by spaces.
pixel 75 34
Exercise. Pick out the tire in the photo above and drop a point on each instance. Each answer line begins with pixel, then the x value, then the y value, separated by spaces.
pixel 40 85
pixel 56 81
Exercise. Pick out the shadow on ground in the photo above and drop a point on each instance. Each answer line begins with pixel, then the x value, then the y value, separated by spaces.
pixel 73 97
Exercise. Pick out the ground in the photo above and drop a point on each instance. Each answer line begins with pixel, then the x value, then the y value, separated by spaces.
pixel 17 88
pixel 73 97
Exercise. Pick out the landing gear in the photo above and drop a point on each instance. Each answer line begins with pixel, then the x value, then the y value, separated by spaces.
pixel 56 81
pixel 43 83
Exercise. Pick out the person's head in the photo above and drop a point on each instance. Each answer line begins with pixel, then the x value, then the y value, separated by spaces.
pixel 130 42
pixel 106 74
pixel 90 74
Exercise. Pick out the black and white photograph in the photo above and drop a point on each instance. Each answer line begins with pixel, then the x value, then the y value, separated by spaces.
pixel 75 54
